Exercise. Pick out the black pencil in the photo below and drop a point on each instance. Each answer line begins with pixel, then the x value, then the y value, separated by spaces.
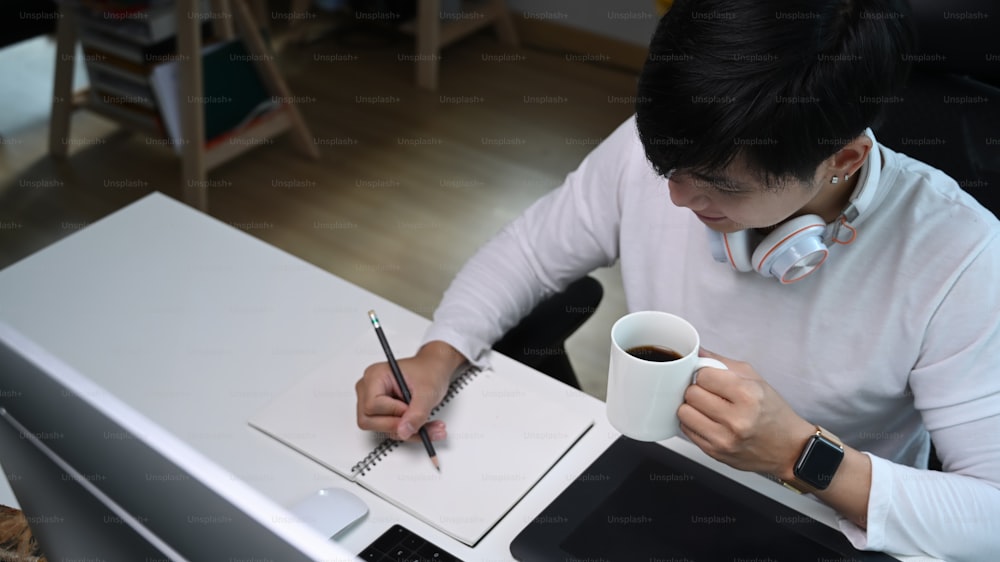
pixel 402 384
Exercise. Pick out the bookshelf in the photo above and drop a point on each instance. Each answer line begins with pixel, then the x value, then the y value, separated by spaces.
pixel 125 98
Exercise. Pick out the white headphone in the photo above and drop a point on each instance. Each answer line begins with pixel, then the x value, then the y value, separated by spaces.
pixel 798 247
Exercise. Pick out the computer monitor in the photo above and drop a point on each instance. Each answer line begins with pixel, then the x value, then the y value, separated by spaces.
pixel 97 480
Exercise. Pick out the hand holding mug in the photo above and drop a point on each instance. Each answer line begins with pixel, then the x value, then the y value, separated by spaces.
pixel 736 417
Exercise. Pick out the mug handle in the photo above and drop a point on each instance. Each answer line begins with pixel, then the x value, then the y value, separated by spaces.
pixel 703 362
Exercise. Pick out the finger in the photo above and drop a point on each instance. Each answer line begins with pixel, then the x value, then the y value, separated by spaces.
pixel 436 430
pixel 707 403
pixel 378 394
pixel 386 426
pixel 376 403
pixel 416 414
pixel 695 423
pixel 376 381
pixel 383 405
pixel 411 420
pixel 379 414
pixel 696 438
pixel 384 382
pixel 720 382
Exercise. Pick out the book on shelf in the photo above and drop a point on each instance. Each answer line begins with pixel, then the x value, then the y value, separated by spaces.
pixel 502 440
pixel 233 94
pixel 144 23
pixel 124 110
pixel 136 53
pixel 112 79
pixel 121 90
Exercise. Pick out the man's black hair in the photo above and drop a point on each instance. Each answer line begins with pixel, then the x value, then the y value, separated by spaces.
pixel 784 84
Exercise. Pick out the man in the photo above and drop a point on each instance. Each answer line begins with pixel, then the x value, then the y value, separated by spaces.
pixel 851 290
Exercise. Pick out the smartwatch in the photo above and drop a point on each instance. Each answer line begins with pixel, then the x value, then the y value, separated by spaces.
pixel 818 462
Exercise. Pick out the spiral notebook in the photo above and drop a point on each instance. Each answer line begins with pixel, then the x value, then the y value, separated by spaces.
pixel 502 439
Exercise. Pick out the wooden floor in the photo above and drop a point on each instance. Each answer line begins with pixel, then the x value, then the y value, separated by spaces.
pixel 409 182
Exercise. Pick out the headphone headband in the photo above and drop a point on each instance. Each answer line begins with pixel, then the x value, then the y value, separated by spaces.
pixel 797 247
pixel 863 195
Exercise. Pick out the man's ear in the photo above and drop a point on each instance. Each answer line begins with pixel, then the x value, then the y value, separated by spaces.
pixel 848 160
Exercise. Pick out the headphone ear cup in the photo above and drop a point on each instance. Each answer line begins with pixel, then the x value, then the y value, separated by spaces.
pixel 737 248
pixel 717 245
pixel 793 250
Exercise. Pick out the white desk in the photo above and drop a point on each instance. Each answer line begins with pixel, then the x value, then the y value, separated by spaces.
pixel 197 325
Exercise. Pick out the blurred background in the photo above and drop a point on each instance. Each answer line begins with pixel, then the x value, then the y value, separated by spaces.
pixel 413 175
pixel 409 180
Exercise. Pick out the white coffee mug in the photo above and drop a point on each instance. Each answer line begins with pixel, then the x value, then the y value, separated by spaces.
pixel 643 396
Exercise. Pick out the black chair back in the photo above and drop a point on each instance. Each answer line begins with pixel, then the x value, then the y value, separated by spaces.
pixel 949 114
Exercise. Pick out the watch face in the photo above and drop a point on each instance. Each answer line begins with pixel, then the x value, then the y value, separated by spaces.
pixel 818 462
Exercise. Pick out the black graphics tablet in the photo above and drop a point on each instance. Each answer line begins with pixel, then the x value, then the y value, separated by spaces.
pixel 642 501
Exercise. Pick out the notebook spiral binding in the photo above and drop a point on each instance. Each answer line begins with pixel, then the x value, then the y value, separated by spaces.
pixel 372 458
pixel 456 386
pixel 387 445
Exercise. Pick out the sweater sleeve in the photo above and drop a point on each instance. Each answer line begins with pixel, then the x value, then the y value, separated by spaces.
pixel 955 514
pixel 560 238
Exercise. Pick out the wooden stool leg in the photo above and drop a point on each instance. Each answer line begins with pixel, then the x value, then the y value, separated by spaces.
pixel 259 10
pixel 62 91
pixel 504 23
pixel 298 7
pixel 297 31
pixel 428 43
pixel 272 77
pixel 222 27
pixel 193 170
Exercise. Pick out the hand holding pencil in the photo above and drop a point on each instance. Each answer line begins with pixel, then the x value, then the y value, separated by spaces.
pixel 379 406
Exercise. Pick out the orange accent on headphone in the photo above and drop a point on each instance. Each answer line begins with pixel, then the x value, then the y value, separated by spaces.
pixel 854 232
pixel 729 253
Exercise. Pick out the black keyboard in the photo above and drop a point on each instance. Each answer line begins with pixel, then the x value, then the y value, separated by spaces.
pixel 399 544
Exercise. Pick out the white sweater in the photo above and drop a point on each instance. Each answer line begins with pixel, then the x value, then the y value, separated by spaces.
pixel 896 335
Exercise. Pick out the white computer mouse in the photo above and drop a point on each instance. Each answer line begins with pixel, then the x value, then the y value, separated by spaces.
pixel 330 510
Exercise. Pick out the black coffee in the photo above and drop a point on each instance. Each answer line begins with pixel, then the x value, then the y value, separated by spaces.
pixel 653 353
